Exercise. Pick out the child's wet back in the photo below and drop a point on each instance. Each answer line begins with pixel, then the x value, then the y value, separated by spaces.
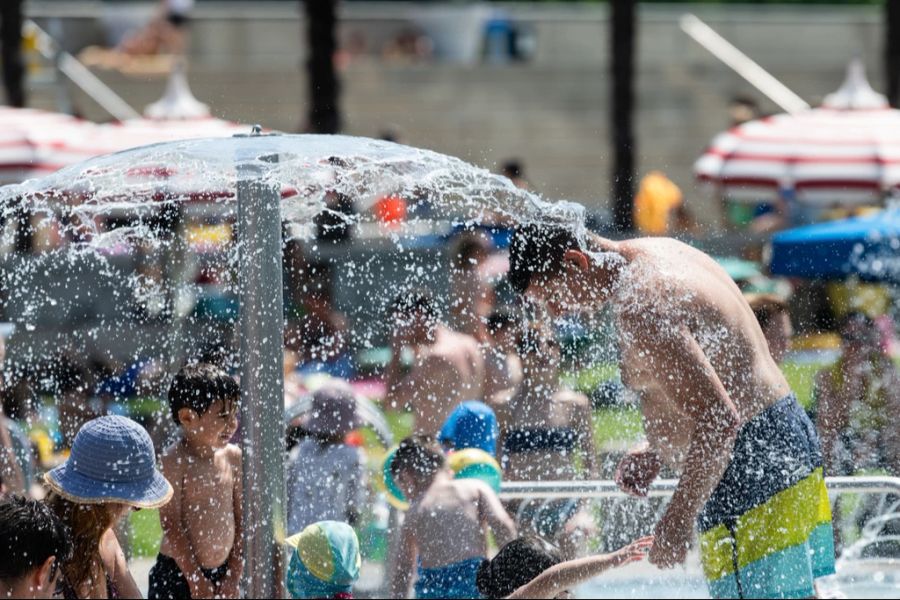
pixel 201 553
pixel 445 532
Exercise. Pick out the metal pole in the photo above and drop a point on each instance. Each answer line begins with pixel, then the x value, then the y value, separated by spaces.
pixel 262 386
pixel 742 64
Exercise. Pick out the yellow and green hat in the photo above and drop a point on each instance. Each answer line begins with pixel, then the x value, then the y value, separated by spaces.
pixel 325 562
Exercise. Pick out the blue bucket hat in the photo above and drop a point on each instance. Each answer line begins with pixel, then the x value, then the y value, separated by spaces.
pixel 472 424
pixel 112 460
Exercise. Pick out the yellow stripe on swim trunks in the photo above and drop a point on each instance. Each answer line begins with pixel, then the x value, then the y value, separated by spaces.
pixel 785 520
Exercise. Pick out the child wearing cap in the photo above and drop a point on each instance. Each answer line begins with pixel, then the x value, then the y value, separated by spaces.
pixel 201 551
pixel 110 471
pixel 324 562
pixel 445 531
pixel 472 424
pixel 326 477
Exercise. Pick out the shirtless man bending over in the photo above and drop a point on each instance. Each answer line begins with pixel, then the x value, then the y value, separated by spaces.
pixel 447 367
pixel 714 403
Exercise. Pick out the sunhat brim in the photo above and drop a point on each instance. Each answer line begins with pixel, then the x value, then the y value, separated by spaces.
pixel 73 486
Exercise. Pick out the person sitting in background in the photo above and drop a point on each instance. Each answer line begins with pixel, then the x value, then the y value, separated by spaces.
pixel 858 398
pixel 546 434
pixel 775 321
pixel 12 479
pixel 447 366
pixel 110 471
pixel 656 201
pixel 502 366
pixel 471 296
pixel 514 170
pixel 445 531
pixel 326 477
pixel 201 555
pixel 529 567
pixel 324 561
pixel 33 545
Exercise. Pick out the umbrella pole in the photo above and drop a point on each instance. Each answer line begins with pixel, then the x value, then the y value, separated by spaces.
pixel 262 393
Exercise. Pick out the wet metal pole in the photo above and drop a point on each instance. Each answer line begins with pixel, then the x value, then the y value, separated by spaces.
pixel 262 393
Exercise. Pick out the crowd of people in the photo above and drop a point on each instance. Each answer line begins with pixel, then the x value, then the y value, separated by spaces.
pixel 483 378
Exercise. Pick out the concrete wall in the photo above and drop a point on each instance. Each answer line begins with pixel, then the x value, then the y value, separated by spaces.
pixel 551 112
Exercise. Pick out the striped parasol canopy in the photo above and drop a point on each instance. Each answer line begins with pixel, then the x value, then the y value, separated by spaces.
pixel 845 153
pixel 34 143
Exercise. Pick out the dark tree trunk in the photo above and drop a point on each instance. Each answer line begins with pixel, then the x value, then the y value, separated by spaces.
pixel 623 26
pixel 892 50
pixel 324 89
pixel 11 51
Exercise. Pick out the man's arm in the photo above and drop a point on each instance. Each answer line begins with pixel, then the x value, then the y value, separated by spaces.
pixel 406 561
pixel 179 545
pixel 688 379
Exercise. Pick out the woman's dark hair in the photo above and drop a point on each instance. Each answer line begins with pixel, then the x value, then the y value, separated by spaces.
pixel 30 533
pixel 517 563
pixel 537 250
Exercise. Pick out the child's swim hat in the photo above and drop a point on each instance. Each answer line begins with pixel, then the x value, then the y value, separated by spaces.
pixel 325 562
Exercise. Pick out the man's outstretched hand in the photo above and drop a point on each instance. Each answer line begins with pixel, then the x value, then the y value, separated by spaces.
pixel 637 470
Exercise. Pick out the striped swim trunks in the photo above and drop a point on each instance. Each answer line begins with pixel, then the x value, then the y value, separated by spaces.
pixel 766 531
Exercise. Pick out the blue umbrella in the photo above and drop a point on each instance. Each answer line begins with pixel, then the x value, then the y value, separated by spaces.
pixel 868 247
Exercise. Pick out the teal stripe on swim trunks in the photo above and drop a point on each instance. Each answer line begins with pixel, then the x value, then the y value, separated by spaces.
pixel 785 574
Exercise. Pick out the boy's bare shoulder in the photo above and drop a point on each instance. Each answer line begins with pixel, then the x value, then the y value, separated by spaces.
pixel 234 454
pixel 171 456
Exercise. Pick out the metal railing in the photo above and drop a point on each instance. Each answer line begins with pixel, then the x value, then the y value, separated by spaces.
pixel 512 490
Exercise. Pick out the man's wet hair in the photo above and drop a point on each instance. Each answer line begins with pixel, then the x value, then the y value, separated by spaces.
pixel 414 301
pixel 30 533
pixel 421 454
pixel 537 250
pixel 516 564
pixel 198 386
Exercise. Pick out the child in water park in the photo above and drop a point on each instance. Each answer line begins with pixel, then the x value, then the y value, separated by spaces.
pixel 201 551
pixel 324 562
pixel 445 531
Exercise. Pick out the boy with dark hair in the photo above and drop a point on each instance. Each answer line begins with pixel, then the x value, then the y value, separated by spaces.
pixel 445 531
pixel 201 551
pixel 715 405
pixel 447 367
pixel 33 545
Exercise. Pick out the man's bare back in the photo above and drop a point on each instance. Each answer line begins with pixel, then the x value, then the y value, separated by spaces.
pixel 205 488
pixel 670 288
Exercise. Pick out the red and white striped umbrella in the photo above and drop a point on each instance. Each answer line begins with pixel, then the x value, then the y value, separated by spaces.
pixel 34 143
pixel 847 152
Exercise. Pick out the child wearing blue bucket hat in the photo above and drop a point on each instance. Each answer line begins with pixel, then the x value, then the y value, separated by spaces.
pixel 324 561
pixel 110 471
